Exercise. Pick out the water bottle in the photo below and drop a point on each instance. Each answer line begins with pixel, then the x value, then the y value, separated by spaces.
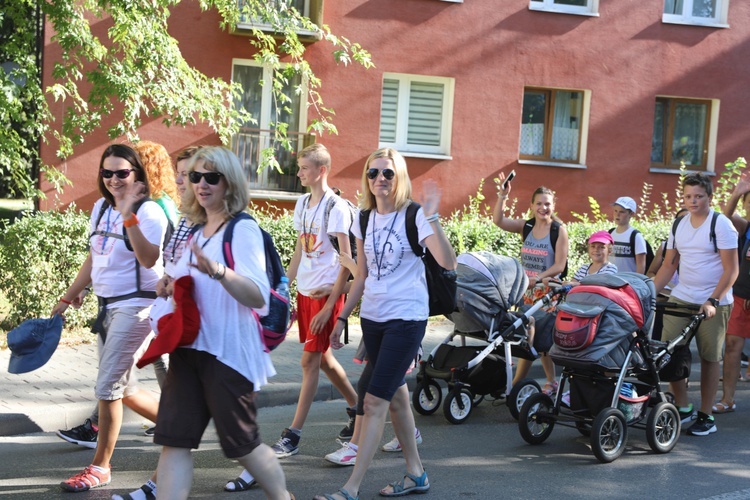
pixel 279 308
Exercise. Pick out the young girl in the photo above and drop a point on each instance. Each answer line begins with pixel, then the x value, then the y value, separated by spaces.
pixel 600 247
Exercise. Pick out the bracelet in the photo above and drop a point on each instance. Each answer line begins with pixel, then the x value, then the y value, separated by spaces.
pixel 433 217
pixel 216 275
pixel 503 196
pixel 65 301
pixel 342 319
pixel 132 221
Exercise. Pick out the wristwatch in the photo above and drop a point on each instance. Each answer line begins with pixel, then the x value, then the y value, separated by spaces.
pixel 714 302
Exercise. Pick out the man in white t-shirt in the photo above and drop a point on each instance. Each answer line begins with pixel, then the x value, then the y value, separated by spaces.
pixel 704 245
pixel 320 282
pixel 629 253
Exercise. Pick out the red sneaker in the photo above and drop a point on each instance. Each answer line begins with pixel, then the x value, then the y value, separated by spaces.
pixel 89 478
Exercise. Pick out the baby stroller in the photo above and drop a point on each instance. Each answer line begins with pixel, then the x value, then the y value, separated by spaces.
pixel 488 286
pixel 602 341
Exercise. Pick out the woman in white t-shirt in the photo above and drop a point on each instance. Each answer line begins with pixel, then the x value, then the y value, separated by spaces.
pixel 123 273
pixel 391 282
pixel 218 375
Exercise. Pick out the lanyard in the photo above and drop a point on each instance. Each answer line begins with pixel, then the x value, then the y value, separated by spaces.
pixel 305 229
pixel 106 232
pixel 207 239
pixel 379 263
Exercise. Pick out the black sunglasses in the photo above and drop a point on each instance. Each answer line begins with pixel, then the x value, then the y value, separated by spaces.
pixel 212 178
pixel 121 174
pixel 388 173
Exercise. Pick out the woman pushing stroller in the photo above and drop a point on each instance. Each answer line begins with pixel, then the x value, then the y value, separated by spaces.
pixel 544 254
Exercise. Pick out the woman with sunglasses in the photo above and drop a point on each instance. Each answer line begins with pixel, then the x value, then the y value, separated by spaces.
pixel 391 283
pixel 124 264
pixel 541 261
pixel 217 375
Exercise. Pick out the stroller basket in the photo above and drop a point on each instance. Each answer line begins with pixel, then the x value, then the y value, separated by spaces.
pixel 632 408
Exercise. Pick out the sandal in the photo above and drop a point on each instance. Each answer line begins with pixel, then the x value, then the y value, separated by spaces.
pixel 341 492
pixel 399 487
pixel 722 407
pixel 550 388
pixel 239 485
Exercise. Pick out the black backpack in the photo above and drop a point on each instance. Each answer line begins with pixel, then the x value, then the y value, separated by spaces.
pixel 327 215
pixel 271 330
pixel 441 283
pixel 631 244
pixel 554 232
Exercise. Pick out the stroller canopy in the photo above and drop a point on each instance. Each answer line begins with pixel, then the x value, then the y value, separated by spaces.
pixel 488 285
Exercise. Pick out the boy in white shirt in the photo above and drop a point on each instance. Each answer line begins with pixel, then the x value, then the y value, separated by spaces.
pixel 629 251
pixel 320 282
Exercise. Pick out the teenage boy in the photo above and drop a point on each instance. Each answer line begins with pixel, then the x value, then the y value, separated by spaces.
pixel 704 244
pixel 320 282
pixel 629 251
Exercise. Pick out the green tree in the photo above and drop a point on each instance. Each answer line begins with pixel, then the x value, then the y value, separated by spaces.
pixel 138 71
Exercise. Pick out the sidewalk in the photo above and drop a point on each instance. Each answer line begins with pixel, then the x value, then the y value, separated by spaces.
pixel 60 394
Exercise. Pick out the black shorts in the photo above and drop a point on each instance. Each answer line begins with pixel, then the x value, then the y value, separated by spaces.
pixel 198 388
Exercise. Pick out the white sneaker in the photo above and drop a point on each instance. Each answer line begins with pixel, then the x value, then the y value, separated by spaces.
pixel 343 456
pixel 394 445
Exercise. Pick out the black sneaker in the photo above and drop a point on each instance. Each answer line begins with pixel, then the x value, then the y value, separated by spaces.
pixel 287 445
pixel 150 431
pixel 83 435
pixel 348 431
pixel 744 360
pixel 703 426
pixel 687 416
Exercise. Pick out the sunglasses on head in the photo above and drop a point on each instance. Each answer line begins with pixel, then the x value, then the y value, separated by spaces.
pixel 212 178
pixel 388 173
pixel 121 174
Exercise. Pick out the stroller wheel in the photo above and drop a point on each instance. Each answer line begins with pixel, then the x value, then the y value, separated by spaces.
pixel 520 393
pixel 536 421
pixel 663 427
pixel 426 397
pixel 453 403
pixel 609 434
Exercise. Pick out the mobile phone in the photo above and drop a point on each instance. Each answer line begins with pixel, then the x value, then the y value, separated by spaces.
pixel 510 177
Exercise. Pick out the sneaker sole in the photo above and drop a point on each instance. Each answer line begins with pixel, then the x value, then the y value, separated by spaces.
pixel 85 444
pixel 702 433
pixel 352 462
pixel 345 437
pixel 286 453
pixel 73 489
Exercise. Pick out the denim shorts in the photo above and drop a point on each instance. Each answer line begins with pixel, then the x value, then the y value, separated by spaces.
pixel 391 349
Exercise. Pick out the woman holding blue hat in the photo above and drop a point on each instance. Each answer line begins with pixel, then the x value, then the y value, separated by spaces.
pixel 123 265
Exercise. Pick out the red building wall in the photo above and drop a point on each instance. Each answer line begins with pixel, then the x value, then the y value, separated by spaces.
pixel 625 57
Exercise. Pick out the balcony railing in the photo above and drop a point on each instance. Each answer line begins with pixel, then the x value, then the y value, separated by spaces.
pixel 248 145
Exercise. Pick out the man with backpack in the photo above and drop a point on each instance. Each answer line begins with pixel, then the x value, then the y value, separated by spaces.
pixel 320 281
pixel 704 245
pixel 630 248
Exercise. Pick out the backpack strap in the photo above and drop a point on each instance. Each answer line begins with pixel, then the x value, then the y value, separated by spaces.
pixel 226 242
pixel 711 234
pixel 633 236
pixel 364 219
pixel 527 228
pixel 412 234
pixel 554 232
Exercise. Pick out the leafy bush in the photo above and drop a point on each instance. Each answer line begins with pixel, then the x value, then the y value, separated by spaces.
pixel 40 257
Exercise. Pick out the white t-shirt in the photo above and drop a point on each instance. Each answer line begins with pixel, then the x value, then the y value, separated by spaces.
pixel 228 329
pixel 700 266
pixel 401 290
pixel 319 263
pixel 621 254
pixel 113 265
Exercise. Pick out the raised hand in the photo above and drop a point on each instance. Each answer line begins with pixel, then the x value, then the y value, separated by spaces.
pixel 134 193
pixel 431 194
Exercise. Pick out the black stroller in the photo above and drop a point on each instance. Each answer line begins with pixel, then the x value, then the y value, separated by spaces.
pixel 602 341
pixel 488 286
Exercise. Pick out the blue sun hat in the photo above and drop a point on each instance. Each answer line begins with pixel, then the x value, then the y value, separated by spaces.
pixel 33 342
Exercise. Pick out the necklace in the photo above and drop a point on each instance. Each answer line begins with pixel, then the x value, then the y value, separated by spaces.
pixel 308 229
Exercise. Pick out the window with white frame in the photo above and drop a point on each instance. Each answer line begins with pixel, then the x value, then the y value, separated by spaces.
pixel 416 114
pixel 698 12
pixel 254 137
pixel 311 9
pixel 681 133
pixel 585 7
pixel 552 125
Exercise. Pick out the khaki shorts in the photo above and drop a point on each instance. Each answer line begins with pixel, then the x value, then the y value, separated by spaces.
pixel 710 335
pixel 128 333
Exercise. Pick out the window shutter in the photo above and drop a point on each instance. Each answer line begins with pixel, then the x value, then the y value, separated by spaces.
pixel 389 111
pixel 425 113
